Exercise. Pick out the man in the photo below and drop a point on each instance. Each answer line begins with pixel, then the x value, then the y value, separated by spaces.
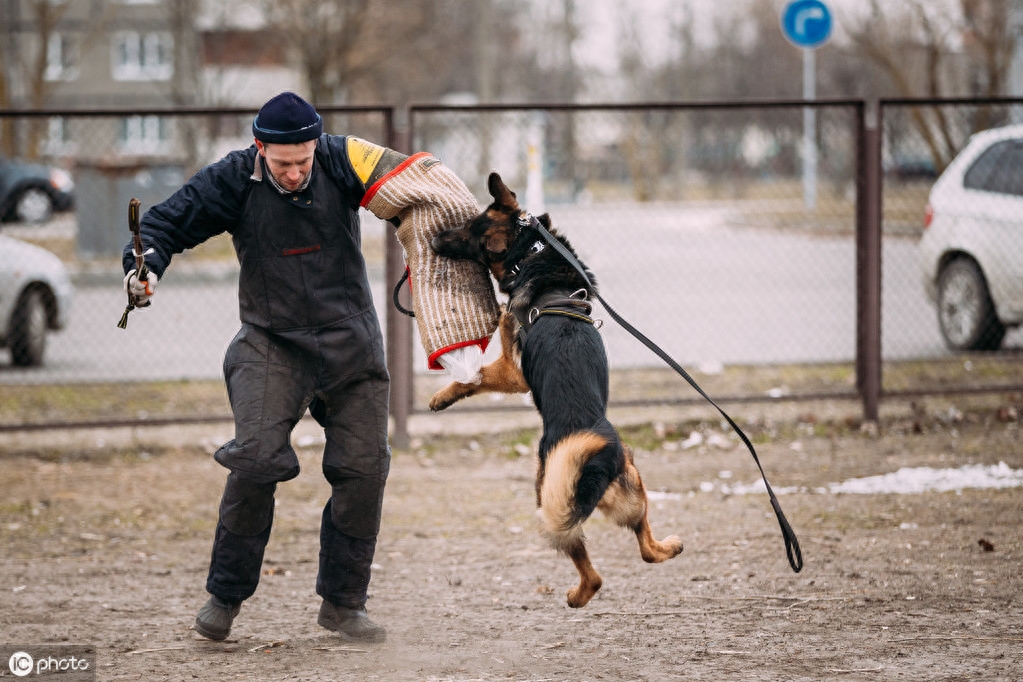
pixel 310 337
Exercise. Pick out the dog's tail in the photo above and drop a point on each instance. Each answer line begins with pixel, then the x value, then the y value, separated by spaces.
pixel 560 513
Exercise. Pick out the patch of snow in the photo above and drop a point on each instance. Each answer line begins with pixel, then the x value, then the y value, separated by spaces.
pixel 907 480
pixel 923 479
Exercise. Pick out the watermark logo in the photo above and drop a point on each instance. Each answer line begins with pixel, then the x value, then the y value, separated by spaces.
pixel 20 664
pixel 66 663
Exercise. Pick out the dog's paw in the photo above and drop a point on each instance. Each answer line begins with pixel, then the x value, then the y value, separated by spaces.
pixel 580 595
pixel 673 544
pixel 656 552
pixel 438 403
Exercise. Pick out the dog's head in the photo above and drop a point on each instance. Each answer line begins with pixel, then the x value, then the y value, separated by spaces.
pixel 487 237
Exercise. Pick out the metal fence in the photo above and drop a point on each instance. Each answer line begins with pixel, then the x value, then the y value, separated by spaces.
pixel 701 228
pixel 772 268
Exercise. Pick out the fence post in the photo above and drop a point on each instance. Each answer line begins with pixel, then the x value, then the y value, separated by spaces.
pixel 399 327
pixel 868 260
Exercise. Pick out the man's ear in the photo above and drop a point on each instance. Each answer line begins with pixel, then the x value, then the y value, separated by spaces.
pixel 260 146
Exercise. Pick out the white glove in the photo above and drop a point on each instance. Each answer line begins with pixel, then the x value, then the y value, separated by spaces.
pixel 464 363
pixel 140 291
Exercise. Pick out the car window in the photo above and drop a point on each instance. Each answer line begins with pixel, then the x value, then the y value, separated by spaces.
pixel 998 169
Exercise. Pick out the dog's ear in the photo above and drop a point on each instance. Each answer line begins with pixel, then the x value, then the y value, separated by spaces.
pixel 545 220
pixel 502 195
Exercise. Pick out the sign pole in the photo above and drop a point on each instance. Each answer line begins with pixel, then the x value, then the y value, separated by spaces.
pixel 809 130
pixel 807 25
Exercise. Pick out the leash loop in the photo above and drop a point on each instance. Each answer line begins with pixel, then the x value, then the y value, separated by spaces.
pixel 397 290
pixel 792 550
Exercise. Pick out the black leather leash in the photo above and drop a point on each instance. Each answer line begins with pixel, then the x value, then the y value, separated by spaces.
pixel 394 296
pixel 795 555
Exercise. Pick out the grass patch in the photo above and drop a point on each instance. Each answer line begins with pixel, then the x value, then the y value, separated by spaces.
pixel 34 404
pixel 112 401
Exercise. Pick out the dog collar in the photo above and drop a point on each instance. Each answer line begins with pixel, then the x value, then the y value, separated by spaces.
pixel 537 247
pixel 523 221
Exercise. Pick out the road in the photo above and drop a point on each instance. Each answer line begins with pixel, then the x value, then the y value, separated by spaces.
pixel 709 293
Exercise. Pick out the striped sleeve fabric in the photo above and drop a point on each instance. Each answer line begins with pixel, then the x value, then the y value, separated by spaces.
pixel 454 300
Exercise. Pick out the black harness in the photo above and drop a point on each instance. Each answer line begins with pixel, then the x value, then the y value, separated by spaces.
pixel 558 302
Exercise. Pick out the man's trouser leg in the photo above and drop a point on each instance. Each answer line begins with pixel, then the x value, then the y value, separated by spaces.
pixel 345 561
pixel 243 530
pixel 267 381
pixel 356 461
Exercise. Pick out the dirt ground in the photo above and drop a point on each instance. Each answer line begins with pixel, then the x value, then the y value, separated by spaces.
pixel 106 539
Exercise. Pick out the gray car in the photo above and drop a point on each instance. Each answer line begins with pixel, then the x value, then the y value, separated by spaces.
pixel 35 298
pixel 31 192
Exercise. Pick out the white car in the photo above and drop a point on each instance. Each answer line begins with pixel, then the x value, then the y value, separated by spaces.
pixel 35 297
pixel 971 252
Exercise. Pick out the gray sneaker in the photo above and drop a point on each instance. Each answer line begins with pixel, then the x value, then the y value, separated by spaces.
pixel 352 624
pixel 215 617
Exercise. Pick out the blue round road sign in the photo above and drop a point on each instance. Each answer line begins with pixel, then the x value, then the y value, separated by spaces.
pixel 806 23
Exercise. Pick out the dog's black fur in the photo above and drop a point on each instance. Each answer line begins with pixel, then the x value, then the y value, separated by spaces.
pixel 583 465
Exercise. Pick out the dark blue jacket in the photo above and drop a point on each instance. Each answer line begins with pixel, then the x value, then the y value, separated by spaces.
pixel 211 202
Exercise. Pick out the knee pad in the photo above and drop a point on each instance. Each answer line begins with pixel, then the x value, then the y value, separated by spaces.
pixel 247 507
pixel 356 505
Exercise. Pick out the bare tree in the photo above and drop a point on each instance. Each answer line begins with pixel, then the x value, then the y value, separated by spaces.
pixel 329 39
pixel 45 16
pixel 28 34
pixel 989 37
pixel 913 43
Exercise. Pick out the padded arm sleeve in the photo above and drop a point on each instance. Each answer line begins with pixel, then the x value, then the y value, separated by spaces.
pixel 454 300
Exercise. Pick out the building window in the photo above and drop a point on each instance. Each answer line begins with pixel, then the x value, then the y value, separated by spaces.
pixel 143 135
pixel 58 140
pixel 142 56
pixel 61 59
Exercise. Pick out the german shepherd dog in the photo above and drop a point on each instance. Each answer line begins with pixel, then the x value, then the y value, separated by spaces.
pixel 583 464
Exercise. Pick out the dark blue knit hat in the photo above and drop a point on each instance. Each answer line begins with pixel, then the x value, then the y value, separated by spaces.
pixel 287 119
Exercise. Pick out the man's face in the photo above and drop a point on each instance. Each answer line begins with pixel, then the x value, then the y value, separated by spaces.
pixel 290 164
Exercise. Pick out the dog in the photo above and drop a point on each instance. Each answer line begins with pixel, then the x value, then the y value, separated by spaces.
pixel 551 348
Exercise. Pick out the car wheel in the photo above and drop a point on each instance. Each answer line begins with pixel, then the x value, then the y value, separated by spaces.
pixel 33 206
pixel 966 314
pixel 28 332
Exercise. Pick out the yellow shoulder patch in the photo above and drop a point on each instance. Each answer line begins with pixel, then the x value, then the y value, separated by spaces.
pixel 364 157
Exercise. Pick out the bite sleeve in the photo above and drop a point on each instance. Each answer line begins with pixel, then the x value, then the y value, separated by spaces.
pixel 454 300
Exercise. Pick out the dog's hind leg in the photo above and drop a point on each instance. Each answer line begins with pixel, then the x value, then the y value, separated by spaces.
pixel 561 519
pixel 503 375
pixel 625 503
pixel 589 580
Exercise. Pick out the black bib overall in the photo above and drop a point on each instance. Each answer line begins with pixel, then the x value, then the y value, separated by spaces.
pixel 309 333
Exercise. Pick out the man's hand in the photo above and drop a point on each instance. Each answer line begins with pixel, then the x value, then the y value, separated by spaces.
pixel 140 291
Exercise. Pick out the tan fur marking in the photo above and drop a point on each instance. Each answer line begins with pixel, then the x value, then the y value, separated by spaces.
pixel 495 241
pixel 625 504
pixel 564 462
pixel 503 375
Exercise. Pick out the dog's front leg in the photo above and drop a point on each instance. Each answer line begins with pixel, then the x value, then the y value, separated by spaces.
pixel 503 375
